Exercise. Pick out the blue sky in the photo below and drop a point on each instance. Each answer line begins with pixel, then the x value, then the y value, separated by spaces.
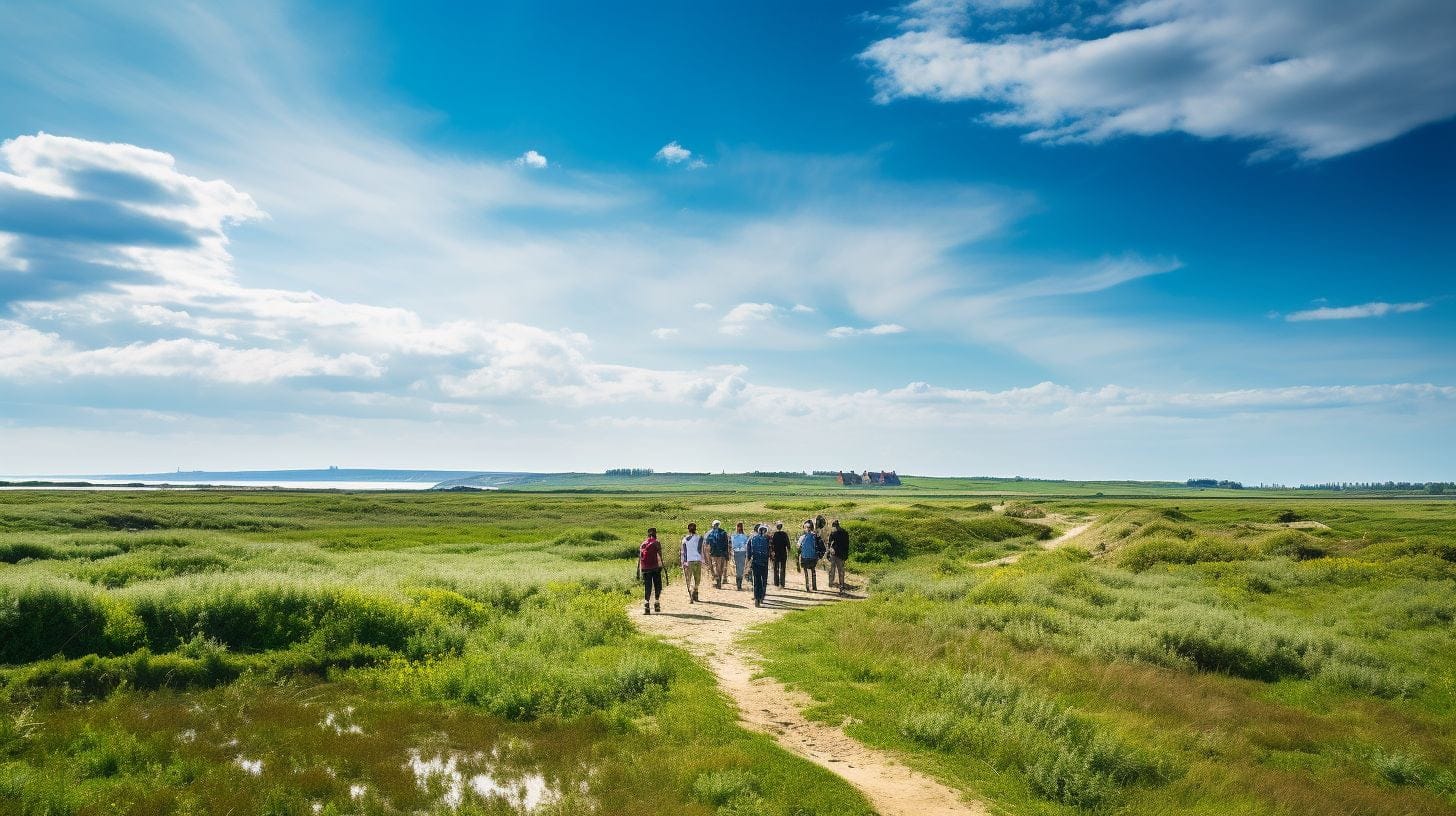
pixel 1145 239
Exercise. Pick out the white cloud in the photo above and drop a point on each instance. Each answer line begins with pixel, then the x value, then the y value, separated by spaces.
pixel 665 333
pixel 1318 77
pixel 703 307
pixel 531 159
pixel 674 153
pixel 29 354
pixel 741 317
pixel 802 309
pixel 839 332
pixel 1374 309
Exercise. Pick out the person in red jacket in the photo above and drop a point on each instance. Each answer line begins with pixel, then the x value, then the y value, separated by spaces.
pixel 649 566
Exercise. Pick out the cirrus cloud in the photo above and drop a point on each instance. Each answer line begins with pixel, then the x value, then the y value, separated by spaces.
pixel 839 332
pixel 1373 309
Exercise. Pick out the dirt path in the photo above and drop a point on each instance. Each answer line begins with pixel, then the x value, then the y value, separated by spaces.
pixel 709 629
pixel 1050 544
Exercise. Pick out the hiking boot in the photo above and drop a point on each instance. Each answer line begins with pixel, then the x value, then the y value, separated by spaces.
pixel 647 609
pixel 657 607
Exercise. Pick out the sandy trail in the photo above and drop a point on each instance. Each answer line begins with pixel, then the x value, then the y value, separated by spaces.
pixel 1050 544
pixel 710 628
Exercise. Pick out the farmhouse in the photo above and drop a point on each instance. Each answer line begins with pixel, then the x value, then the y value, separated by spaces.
pixel 879 477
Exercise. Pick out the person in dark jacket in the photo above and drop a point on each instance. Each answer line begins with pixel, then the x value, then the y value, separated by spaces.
pixel 759 550
pixel 779 553
pixel 649 566
pixel 838 553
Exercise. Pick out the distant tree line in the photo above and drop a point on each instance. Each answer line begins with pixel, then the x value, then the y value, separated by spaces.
pixel 630 472
pixel 1433 488
pixel 1224 483
pixel 798 473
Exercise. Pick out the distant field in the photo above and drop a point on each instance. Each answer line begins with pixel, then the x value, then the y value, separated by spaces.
pixel 266 652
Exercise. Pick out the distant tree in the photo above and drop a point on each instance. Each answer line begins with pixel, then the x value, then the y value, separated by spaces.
pixel 630 472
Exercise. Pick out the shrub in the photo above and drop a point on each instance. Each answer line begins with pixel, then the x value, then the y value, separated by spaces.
pixel 1219 641
pixel 719 788
pixel 1147 552
pixel 1023 511
pixel 1296 544
pixel 934 728
pixel 874 544
pixel 41 620
pixel 1385 682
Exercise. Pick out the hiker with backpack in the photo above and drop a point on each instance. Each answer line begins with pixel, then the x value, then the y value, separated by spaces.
pixel 718 546
pixel 649 566
pixel 759 551
pixel 740 553
pixel 838 553
pixel 779 553
pixel 693 549
pixel 809 552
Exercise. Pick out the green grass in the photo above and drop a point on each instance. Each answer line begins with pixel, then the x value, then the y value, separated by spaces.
pixel 151 645
pixel 1188 654
pixel 1188 659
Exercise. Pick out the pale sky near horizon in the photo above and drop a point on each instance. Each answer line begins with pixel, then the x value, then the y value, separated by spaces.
pixel 1140 239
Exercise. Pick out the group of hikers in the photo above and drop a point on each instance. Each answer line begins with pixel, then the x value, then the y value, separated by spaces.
pixel 752 554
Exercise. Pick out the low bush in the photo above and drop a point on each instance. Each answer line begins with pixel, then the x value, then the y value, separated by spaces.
pixel 1296 544
pixel 1218 641
pixel 1147 552
pixel 1021 510
pixel 1064 756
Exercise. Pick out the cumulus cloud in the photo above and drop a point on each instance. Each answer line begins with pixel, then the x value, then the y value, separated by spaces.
pixel 1319 77
pixel 802 309
pixel 531 159
pixel 674 153
pixel 839 332
pixel 79 216
pixel 28 354
pixel 741 317
pixel 1373 309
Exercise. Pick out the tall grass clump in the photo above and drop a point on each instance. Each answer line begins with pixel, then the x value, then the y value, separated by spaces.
pixel 1065 757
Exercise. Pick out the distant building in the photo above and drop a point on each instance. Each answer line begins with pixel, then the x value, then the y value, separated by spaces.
pixel 886 478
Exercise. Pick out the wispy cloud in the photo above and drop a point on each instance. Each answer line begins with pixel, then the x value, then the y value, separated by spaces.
pixel 666 333
pixel 1372 309
pixel 1319 78
pixel 839 332
pixel 800 308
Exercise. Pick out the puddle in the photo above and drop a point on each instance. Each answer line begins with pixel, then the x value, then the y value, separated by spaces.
pixel 328 749
pixel 450 778
pixel 339 723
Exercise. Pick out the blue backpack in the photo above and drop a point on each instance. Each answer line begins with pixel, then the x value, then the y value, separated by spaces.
pixel 717 543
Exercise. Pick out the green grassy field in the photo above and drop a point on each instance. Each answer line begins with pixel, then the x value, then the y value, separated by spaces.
pixel 271 652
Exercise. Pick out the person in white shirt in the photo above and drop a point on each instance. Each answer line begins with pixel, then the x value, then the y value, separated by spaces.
pixel 693 552
pixel 740 552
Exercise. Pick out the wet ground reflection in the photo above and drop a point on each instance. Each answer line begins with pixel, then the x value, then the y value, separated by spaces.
pixel 324 749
